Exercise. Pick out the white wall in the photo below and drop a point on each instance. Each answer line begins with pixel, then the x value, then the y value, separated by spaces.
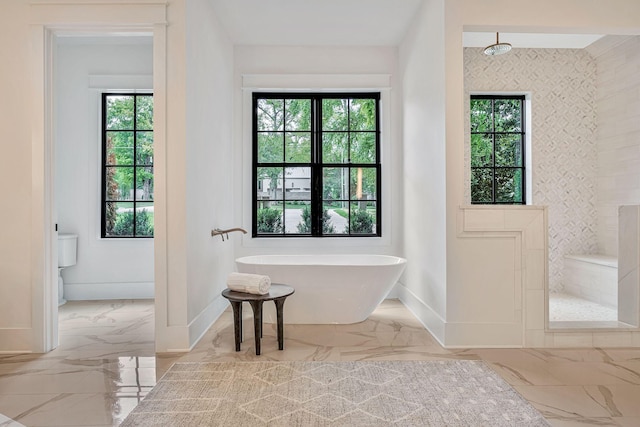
pixel 628 274
pixel 496 258
pixel 15 180
pixel 424 181
pixel 199 123
pixel 618 137
pixel 84 68
pixel 187 287
pixel 20 172
pixel 561 85
pixel 209 165
pixel 28 306
pixel 172 330
pixel 473 315
pixel 319 68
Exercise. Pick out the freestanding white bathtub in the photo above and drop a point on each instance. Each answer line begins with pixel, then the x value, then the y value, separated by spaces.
pixel 328 288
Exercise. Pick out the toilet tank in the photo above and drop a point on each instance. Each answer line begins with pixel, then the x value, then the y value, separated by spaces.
pixel 67 249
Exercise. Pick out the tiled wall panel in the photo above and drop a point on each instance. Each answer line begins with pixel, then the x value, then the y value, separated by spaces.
pixel 592 279
pixel 629 265
pixel 562 84
pixel 618 137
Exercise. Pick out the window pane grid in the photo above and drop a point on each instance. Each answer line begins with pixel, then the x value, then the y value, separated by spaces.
pixel 341 128
pixel 127 190
pixel 497 149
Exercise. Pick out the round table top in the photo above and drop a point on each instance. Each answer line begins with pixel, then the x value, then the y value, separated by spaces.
pixel 275 291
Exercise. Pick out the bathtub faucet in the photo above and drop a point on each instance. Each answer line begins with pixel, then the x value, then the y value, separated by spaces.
pixel 222 233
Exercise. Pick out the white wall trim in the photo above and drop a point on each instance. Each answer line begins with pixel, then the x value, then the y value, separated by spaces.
pixel 117 18
pixel 165 334
pixel 47 19
pixel 528 167
pixel 170 342
pixel 106 291
pixel 528 226
pixel 483 335
pixel 19 339
pixel 431 320
pixel 207 317
pixel 175 339
pixel 43 328
pixel 318 82
pixel 122 82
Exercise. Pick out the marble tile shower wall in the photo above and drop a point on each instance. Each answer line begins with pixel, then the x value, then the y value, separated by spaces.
pixel 562 84
pixel 618 103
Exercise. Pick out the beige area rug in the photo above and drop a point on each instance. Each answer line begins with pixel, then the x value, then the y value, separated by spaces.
pixel 354 394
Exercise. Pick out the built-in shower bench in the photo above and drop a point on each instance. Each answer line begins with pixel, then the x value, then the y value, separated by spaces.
pixel 592 277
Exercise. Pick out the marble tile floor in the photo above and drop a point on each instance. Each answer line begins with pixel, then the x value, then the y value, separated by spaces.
pixel 106 364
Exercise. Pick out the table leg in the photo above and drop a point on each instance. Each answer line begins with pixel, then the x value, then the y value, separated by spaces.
pixel 257 323
pixel 240 324
pixel 280 315
pixel 237 322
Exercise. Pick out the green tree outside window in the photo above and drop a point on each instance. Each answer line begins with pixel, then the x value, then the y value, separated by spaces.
pixel 330 138
pixel 127 134
pixel 497 149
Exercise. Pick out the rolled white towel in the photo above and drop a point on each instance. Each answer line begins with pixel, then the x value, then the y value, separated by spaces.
pixel 249 283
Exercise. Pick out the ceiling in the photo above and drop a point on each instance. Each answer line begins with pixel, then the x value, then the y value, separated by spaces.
pixel 333 23
pixel 531 40
pixel 351 23
pixel 316 22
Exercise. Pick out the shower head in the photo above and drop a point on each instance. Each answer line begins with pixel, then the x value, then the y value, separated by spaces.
pixel 497 48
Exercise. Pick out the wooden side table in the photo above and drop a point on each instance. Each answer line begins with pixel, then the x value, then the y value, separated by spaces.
pixel 277 293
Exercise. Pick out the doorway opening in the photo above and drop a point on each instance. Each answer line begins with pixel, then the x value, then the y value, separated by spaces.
pixel 105 273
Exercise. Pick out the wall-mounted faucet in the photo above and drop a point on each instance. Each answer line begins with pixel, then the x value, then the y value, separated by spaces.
pixel 222 233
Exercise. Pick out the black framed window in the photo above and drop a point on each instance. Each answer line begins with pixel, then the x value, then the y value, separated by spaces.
pixel 497 149
pixel 127 165
pixel 316 164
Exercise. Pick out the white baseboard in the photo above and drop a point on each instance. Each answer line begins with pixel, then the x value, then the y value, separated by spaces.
pixel 182 339
pixel 484 335
pixel 100 291
pixel 429 318
pixel 461 335
pixel 394 293
pixel 207 317
pixel 16 340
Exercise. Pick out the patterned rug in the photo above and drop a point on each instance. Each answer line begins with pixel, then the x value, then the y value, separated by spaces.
pixel 354 394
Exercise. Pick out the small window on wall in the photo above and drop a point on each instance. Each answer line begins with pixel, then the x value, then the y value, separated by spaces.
pixel 127 165
pixel 497 149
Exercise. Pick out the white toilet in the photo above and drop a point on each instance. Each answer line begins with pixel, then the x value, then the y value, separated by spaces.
pixel 67 256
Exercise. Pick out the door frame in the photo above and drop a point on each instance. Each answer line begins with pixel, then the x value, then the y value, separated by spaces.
pixel 49 20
